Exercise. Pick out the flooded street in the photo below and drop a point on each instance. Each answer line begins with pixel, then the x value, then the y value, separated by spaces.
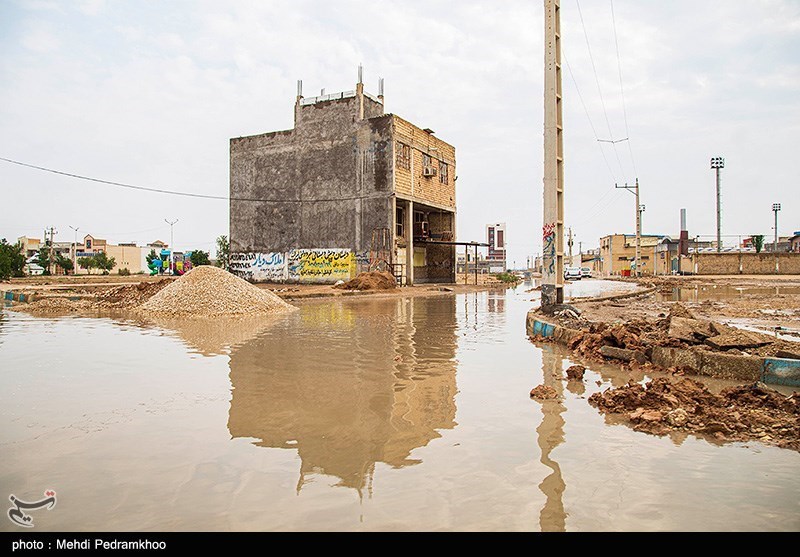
pixel 372 413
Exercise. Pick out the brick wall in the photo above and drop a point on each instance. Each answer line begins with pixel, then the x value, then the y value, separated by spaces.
pixel 426 189
pixel 745 263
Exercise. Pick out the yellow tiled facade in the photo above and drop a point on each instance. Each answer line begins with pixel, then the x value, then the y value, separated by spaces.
pixel 410 179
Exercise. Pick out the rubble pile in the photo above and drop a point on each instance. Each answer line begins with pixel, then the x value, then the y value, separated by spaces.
pixel 741 413
pixel 373 280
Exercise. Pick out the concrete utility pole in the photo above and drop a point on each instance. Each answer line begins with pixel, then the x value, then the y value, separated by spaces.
pixel 171 247
pixel 75 250
pixel 553 206
pixel 52 248
pixel 569 245
pixel 775 208
pixel 718 163
pixel 639 208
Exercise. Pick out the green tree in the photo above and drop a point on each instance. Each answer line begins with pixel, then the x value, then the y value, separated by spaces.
pixel 103 261
pixel 223 252
pixel 199 257
pixel 151 257
pixel 65 263
pixel 43 259
pixel 758 242
pixel 12 260
pixel 87 263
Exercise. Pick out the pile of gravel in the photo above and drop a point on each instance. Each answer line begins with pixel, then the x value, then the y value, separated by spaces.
pixel 208 291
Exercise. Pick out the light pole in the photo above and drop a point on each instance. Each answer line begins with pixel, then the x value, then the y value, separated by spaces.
pixel 776 207
pixel 75 251
pixel 718 163
pixel 171 248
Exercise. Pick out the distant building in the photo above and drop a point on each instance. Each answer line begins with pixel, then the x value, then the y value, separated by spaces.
pixel 347 189
pixel 29 246
pixel 127 255
pixel 496 238
pixel 794 242
pixel 618 253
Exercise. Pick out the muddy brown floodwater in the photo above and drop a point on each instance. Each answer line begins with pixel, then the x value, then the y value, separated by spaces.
pixel 368 413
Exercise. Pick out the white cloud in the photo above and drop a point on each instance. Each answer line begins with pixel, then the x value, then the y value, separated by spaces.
pixel 151 93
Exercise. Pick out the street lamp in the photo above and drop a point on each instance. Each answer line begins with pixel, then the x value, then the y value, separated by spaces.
pixel 75 250
pixel 717 164
pixel 776 207
pixel 171 247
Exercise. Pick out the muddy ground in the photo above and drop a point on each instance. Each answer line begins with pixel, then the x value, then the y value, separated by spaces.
pixel 626 330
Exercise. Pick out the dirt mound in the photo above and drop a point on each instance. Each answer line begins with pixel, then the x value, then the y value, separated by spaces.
pixel 373 280
pixel 208 291
pixel 54 306
pixel 130 295
pixel 543 392
pixel 742 413
pixel 575 372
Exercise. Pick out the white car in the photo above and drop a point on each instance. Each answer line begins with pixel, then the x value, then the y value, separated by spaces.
pixel 573 273
pixel 586 272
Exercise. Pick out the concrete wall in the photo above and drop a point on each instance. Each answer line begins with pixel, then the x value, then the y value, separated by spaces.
pixel 734 263
pixel 127 257
pixel 324 184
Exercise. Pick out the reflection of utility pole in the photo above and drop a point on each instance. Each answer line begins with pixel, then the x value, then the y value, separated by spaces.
pixel 553 206
pixel 639 208
pixel 549 435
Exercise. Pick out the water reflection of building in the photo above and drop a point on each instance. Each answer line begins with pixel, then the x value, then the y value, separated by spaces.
pixel 349 385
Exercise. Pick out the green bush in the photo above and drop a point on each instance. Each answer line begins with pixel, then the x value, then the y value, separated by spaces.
pixel 508 277
pixel 124 272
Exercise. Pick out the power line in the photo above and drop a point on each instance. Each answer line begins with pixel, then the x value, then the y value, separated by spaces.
pixel 622 90
pixel 172 192
pixel 599 89
pixel 586 110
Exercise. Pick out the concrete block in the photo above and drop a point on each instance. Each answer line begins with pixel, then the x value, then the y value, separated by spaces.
pixel 730 366
pixel 623 354
pixel 667 357
pixel 690 330
pixel 781 371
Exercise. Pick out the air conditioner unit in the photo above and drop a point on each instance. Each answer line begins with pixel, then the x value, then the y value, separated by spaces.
pixel 429 171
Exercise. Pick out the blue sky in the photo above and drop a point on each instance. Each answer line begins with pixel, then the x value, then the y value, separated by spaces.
pixel 149 93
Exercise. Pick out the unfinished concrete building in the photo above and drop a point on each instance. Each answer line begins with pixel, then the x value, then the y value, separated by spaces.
pixel 348 189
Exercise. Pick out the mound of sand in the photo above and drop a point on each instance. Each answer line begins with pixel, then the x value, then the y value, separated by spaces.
pixel 131 295
pixel 208 291
pixel 373 280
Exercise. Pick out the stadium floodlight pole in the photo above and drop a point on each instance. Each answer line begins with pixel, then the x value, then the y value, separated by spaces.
pixel 171 247
pixel 775 208
pixel 718 163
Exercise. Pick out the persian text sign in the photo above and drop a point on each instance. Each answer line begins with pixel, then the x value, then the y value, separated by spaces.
pixel 321 265
pixel 259 267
